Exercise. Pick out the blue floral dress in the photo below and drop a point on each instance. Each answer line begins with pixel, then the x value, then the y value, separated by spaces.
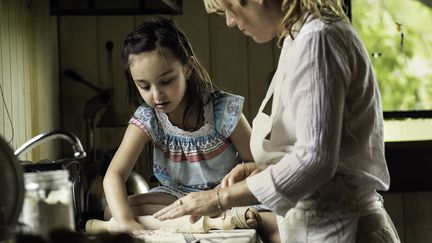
pixel 185 161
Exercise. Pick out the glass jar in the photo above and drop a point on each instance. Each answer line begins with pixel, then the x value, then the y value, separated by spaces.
pixel 48 202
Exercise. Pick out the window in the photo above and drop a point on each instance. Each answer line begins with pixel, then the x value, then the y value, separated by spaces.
pixel 398 37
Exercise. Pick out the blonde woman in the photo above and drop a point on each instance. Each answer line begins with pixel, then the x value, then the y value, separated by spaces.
pixel 324 162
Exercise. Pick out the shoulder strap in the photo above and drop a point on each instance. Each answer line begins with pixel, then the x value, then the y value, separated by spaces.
pixel 275 88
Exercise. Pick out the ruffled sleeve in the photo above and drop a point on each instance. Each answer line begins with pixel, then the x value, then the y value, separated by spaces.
pixel 227 109
pixel 145 118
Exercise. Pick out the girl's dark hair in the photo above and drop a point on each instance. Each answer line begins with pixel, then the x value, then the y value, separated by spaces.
pixel 164 36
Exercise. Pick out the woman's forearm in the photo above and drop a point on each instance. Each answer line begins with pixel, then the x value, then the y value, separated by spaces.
pixel 237 194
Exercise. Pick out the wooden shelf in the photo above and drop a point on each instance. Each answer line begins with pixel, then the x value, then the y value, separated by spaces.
pixel 115 7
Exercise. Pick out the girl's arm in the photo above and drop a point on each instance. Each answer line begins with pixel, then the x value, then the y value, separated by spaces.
pixel 240 137
pixel 118 172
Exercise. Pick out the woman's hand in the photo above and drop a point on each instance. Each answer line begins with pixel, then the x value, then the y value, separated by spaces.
pixel 196 204
pixel 239 173
pixel 208 203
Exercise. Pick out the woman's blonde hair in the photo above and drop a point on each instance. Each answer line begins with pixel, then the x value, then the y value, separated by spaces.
pixel 296 11
pixel 214 6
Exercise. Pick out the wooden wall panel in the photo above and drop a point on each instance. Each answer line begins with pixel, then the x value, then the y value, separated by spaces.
pixel 138 19
pixel 28 71
pixel 78 51
pixel 261 67
pixel 229 59
pixel 14 69
pixel 115 29
pixel 28 47
pixel 195 23
pixel 2 33
pixel 394 204
pixel 45 106
pixel 418 217
pixel 6 27
pixel 20 86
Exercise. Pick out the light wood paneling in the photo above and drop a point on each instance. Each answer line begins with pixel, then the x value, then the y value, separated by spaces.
pixel 2 53
pixel 45 85
pixel 7 28
pixel 14 69
pixel 21 86
pixel 28 47
pixel 2 30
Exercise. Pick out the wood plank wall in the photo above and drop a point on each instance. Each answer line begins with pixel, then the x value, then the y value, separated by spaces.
pixel 235 63
pixel 29 104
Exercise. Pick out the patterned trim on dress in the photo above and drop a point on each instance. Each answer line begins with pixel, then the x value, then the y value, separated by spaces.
pixel 228 111
pixel 139 124
pixel 194 156
pixel 193 152
pixel 202 131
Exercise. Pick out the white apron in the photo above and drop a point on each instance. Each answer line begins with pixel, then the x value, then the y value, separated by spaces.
pixel 336 212
pixel 262 151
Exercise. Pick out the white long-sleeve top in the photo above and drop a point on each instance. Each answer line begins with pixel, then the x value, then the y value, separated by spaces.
pixel 329 112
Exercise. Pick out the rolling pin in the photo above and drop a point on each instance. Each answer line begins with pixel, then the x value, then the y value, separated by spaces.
pixel 179 225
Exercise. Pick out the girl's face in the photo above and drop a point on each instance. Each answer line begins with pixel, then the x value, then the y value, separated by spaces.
pixel 258 19
pixel 160 80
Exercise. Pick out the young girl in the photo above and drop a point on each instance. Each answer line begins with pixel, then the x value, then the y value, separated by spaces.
pixel 323 163
pixel 199 133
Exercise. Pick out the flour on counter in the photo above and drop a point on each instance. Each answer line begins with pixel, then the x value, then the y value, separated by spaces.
pixel 166 235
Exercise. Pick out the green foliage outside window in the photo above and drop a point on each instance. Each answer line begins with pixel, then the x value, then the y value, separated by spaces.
pixel 398 37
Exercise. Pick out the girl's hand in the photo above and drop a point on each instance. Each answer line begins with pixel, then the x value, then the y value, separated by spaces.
pixel 133 227
pixel 239 173
pixel 196 204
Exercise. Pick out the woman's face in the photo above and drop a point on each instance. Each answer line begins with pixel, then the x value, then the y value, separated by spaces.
pixel 258 19
pixel 160 80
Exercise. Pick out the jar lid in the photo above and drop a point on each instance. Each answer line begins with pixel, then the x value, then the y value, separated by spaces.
pixel 33 180
pixel 11 185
